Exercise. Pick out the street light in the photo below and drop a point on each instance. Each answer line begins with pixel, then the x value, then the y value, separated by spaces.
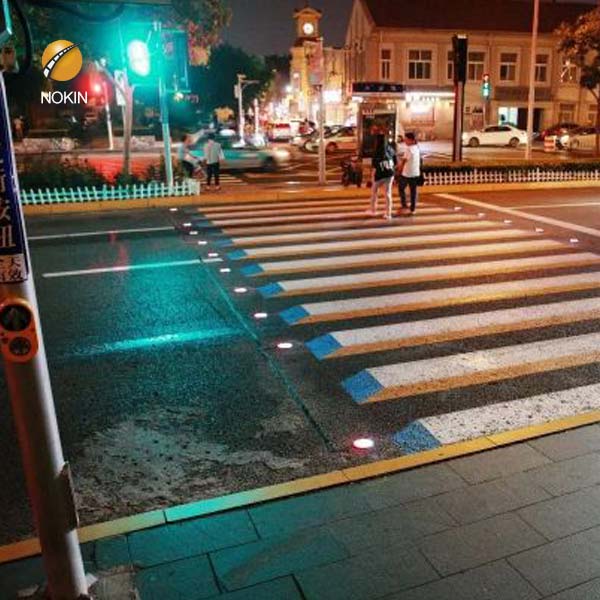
pixel 531 98
pixel 238 91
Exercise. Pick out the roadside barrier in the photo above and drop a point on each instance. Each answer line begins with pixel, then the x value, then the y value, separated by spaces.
pixel 106 193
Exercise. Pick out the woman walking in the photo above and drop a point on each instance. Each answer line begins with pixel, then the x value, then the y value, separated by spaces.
pixel 384 165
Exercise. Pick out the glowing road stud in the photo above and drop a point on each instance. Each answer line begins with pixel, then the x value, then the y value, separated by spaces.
pixel 539 230
pixel 225 270
pixel 458 208
pixel 507 222
pixel 187 224
pixel 213 254
pixel 285 345
pixel 481 215
pixel 240 290
pixel 363 444
pixel 173 209
pixel 260 315
pixel 193 233
pixel 574 241
pixel 202 243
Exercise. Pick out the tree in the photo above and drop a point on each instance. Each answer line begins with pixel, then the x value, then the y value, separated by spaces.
pixel 580 43
pixel 215 82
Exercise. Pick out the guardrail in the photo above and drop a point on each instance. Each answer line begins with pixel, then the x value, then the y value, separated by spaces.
pixel 106 193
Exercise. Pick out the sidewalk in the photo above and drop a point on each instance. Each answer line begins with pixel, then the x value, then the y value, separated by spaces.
pixel 515 523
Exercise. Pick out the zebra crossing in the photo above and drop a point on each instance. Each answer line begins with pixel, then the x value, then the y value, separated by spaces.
pixel 434 328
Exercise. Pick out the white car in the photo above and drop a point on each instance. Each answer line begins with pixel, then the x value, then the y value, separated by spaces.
pixel 582 138
pixel 241 156
pixel 495 135
pixel 343 139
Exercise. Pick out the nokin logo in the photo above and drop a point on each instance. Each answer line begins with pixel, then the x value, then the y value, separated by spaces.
pixel 62 61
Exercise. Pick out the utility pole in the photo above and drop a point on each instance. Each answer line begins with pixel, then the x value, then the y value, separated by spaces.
pixel 256 118
pixel 322 149
pixel 460 47
pixel 532 61
pixel 47 475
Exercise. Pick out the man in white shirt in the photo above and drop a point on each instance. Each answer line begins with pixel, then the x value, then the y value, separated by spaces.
pixel 410 171
pixel 213 154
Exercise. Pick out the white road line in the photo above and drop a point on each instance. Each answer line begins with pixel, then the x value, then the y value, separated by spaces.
pixel 119 269
pixel 383 243
pixel 406 256
pixel 363 232
pixel 506 416
pixel 395 335
pixel 524 215
pixel 83 234
pixel 550 205
pixel 461 370
pixel 441 272
pixel 402 302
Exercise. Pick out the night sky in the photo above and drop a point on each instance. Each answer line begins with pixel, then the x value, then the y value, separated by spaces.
pixel 267 26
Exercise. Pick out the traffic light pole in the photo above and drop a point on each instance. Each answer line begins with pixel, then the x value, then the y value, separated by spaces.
pixel 459 101
pixel 47 475
pixel 111 141
pixel 322 149
pixel 164 110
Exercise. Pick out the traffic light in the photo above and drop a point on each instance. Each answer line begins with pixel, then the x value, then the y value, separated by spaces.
pixel 486 86
pixel 18 335
pixel 138 57
pixel 459 46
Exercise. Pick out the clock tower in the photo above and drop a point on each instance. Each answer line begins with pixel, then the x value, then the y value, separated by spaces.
pixel 307 24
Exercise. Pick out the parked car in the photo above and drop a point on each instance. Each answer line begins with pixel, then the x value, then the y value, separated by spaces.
pixel 344 138
pixel 582 138
pixel 495 135
pixel 558 129
pixel 242 156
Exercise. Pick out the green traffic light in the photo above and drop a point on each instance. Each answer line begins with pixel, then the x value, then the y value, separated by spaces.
pixel 138 57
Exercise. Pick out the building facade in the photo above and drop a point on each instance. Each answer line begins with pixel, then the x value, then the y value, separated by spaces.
pixel 409 43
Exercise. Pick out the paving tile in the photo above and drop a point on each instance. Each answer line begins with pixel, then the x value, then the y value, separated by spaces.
pixel 112 552
pixel 569 475
pixel 472 545
pixel 496 581
pixel 285 516
pixel 498 463
pixel 478 502
pixel 19 575
pixel 569 444
pixel 268 559
pixel 585 591
pixel 382 527
pixel 189 538
pixel 561 564
pixel 368 575
pixel 411 485
pixel 565 515
pixel 189 579
pixel 278 589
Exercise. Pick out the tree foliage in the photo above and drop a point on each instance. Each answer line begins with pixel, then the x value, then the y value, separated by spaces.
pixel 580 43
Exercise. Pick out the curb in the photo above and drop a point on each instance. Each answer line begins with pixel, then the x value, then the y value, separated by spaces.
pixel 31 547
pixel 265 195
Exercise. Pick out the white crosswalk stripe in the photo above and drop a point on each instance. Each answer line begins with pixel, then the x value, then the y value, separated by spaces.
pixel 328 248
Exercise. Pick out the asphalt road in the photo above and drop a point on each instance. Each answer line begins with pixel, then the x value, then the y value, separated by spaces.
pixel 169 389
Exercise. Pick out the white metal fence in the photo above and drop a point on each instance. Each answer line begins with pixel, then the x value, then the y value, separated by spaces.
pixel 509 176
pixel 187 187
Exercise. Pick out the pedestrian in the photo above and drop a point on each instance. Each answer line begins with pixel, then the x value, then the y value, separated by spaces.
pixel 384 164
pixel 187 161
pixel 213 155
pixel 410 171
pixel 18 125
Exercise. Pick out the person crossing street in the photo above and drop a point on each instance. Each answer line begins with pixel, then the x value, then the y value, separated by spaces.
pixel 384 164
pixel 410 172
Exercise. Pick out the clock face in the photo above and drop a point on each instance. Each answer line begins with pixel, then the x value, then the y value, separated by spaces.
pixel 308 28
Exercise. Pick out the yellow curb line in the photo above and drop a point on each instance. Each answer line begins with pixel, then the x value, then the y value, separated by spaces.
pixel 30 547
pixel 265 195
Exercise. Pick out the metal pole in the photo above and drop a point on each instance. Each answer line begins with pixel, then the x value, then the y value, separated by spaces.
pixel 459 100
pixel 164 110
pixel 322 153
pixel 256 117
pixel 46 473
pixel 111 141
pixel 531 98
pixel 240 106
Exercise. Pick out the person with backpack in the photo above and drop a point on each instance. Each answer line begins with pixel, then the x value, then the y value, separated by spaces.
pixel 410 172
pixel 384 165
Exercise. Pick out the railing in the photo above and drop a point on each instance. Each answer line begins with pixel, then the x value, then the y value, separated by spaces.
pixel 106 193
pixel 508 176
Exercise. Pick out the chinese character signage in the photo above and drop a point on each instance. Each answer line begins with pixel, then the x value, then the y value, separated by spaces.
pixel 13 262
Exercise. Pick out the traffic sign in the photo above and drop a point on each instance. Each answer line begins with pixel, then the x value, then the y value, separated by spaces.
pixel 13 260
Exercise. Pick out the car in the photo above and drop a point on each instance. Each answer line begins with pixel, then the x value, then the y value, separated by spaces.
pixel 582 138
pixel 280 132
pixel 344 138
pixel 558 129
pixel 495 135
pixel 241 156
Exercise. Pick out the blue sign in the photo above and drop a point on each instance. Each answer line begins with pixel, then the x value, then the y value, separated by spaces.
pixel 13 259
